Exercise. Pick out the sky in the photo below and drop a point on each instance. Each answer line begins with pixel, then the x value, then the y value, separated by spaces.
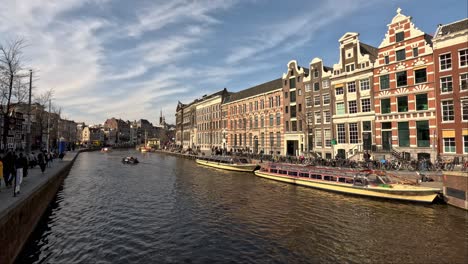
pixel 131 59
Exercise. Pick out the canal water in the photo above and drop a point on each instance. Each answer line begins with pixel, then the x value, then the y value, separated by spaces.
pixel 171 210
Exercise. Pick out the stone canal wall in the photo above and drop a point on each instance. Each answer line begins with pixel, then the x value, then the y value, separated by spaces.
pixel 20 217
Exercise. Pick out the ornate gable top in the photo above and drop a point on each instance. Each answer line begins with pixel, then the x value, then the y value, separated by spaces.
pixel 399 16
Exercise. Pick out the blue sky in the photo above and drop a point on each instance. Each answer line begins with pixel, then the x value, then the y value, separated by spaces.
pixel 130 59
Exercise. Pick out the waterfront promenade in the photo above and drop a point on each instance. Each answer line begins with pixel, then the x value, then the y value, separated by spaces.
pixel 19 215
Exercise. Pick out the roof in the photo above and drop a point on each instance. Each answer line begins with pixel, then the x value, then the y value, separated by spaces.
pixel 452 27
pixel 259 89
pixel 368 49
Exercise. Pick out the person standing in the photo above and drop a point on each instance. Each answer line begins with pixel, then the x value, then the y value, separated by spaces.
pixel 41 161
pixel 8 168
pixel 19 164
pixel 1 171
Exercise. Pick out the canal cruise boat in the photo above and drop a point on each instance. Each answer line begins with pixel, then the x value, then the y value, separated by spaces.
pixel 364 183
pixel 228 163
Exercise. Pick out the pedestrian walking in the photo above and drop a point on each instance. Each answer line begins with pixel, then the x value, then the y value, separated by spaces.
pixel 41 160
pixel 8 168
pixel 20 161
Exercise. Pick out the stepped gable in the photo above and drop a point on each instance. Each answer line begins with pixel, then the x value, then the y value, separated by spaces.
pixel 259 89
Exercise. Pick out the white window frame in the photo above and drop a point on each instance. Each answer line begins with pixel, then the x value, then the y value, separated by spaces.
pixel 353 135
pixel 307 87
pixel 365 106
pixel 465 74
pixel 325 84
pixel 315 101
pixel 366 83
pixel 450 141
pixel 326 115
pixel 440 61
pixel 441 83
pixel 318 117
pixel 344 108
pixel 323 97
pixel 341 134
pixel 465 142
pixel 309 102
pixel 463 103
pixel 443 111
pixel 350 85
pixel 460 58
pixel 336 89
pixel 355 106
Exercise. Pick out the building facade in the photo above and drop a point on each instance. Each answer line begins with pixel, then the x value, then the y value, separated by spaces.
pixel 451 81
pixel 186 125
pixel 209 121
pixel 253 119
pixel 295 119
pixel 318 107
pixel 404 90
pixel 353 114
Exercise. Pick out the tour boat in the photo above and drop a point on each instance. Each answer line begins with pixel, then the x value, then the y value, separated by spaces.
pixel 365 183
pixel 228 163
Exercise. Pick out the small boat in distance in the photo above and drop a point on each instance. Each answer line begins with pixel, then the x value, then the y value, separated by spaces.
pixel 364 183
pixel 228 163
pixel 130 160
pixel 106 149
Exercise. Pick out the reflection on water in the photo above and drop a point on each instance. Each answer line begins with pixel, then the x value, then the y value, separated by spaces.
pixel 170 210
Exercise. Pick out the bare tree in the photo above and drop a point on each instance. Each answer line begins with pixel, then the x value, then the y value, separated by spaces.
pixel 10 74
pixel 39 111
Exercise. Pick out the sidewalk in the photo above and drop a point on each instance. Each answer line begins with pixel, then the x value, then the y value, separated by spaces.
pixel 34 181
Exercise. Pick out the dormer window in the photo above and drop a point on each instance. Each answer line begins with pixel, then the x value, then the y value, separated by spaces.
pixel 400 36
pixel 350 67
pixel 316 73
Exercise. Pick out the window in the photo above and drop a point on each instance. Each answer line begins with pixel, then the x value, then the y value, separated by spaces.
pixel 272 118
pixel 286 109
pixel 326 99
pixel 262 139
pixel 285 94
pixel 318 117
pixel 299 108
pixel 327 117
pixel 293 126
pixel 447 111
pixel 262 104
pixel 339 91
pixel 465 144
pixel 403 134
pixel 316 86
pixel 298 79
pixel 387 125
pixel 401 79
pixel 272 139
pixel 310 118
pixel 352 107
pixel 262 121
pixel 463 57
pixel 449 145
pixel 307 87
pixel 400 55
pixel 446 84
pixel 292 96
pixel 316 73
pixel 384 82
pixel 340 109
pixel 287 125
pixel 445 61
pixel 402 104
pixel 422 133
pixel 350 67
pixel 385 106
pixel 278 139
pixel 318 138
pixel 256 105
pixel 464 107
pixel 415 52
pixel 420 76
pixel 365 105
pixel 292 83
pixel 353 133
pixel 278 119
pixel 327 135
pixel 299 92
pixel 351 87
pixel 316 100
pixel 293 111
pixel 387 59
pixel 308 101
pixel 325 84
pixel 366 126
pixel 464 81
pixel 270 102
pixel 364 84
pixel 400 36
pixel 341 131
pixel 421 102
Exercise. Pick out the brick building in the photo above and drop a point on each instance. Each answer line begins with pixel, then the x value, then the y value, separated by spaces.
pixel 295 119
pixel 451 81
pixel 404 90
pixel 353 114
pixel 253 119
pixel 318 107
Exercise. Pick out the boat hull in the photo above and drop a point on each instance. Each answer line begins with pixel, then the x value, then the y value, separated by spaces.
pixel 400 192
pixel 231 167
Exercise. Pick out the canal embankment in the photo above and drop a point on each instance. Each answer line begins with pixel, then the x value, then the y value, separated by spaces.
pixel 19 215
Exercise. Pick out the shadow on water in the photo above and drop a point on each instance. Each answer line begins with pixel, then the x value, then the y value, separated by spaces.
pixel 33 247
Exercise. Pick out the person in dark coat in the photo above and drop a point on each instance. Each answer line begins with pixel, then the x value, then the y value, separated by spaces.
pixel 42 161
pixel 9 168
